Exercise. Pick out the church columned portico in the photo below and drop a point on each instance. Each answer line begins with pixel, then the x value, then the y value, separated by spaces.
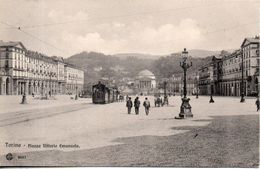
pixel 145 82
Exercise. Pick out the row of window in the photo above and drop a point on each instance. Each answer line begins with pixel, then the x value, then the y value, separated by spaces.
pixel 32 75
pixel 232 61
pixel 36 66
pixel 229 71
pixel 250 53
pixel 26 60
pixel 15 50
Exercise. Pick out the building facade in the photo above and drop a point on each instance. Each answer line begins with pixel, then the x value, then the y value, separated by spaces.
pixel 13 66
pixel 175 83
pixel 145 82
pixel 24 71
pixel 223 76
pixel 74 79
pixel 209 77
pixel 231 78
pixel 251 64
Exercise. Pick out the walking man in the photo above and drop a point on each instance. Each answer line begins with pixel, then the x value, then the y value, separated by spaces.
pixel 129 105
pixel 137 105
pixel 146 105
pixel 257 103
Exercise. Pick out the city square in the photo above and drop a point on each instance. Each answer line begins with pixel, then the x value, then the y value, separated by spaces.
pixel 129 83
pixel 216 136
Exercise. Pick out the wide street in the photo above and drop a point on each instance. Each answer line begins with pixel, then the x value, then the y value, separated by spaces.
pixel 221 134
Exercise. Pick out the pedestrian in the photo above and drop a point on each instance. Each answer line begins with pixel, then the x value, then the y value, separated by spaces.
pixel 146 105
pixel 257 103
pixel 129 105
pixel 137 105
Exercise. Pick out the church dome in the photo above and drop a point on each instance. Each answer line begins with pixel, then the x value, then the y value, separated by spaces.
pixel 146 74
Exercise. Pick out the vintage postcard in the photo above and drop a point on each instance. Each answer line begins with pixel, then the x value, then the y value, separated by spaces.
pixel 129 83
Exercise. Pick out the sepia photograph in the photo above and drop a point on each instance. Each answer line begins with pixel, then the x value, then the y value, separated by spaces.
pixel 129 83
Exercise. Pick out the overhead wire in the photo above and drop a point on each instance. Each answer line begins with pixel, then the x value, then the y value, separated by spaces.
pixel 21 28
pixel 51 45
pixel 33 36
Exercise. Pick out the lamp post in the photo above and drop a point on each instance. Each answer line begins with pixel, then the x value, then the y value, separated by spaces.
pixel 185 109
pixel 164 87
pixel 197 87
pixel 211 94
pixel 76 97
pixel 50 85
pixel 242 80
pixel 24 101
pixel 258 73
pixel 165 99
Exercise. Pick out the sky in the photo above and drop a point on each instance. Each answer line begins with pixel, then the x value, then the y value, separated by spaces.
pixel 159 27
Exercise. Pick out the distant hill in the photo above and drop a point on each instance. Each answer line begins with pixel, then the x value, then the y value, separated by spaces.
pixel 196 53
pixel 204 53
pixel 138 55
pixel 89 60
pixel 169 65
pixel 98 65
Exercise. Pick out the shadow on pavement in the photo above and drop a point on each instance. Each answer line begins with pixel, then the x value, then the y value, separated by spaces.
pixel 228 141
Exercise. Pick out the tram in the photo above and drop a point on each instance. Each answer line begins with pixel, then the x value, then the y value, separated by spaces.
pixel 102 94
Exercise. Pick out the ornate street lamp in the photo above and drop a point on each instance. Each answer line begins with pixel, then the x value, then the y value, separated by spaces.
pixel 242 80
pixel 185 109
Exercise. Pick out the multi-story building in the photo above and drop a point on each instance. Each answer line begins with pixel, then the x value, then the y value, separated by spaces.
pixel 42 73
pixel 13 68
pixel 251 64
pixel 209 76
pixel 205 79
pixel 231 74
pixel 224 76
pixel 24 71
pixel 74 79
pixel 175 83
pixel 61 78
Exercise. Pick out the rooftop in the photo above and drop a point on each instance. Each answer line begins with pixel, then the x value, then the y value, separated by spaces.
pixel 10 43
pixel 146 74
pixel 255 39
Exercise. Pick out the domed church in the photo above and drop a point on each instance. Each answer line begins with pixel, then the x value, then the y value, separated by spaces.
pixel 145 82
